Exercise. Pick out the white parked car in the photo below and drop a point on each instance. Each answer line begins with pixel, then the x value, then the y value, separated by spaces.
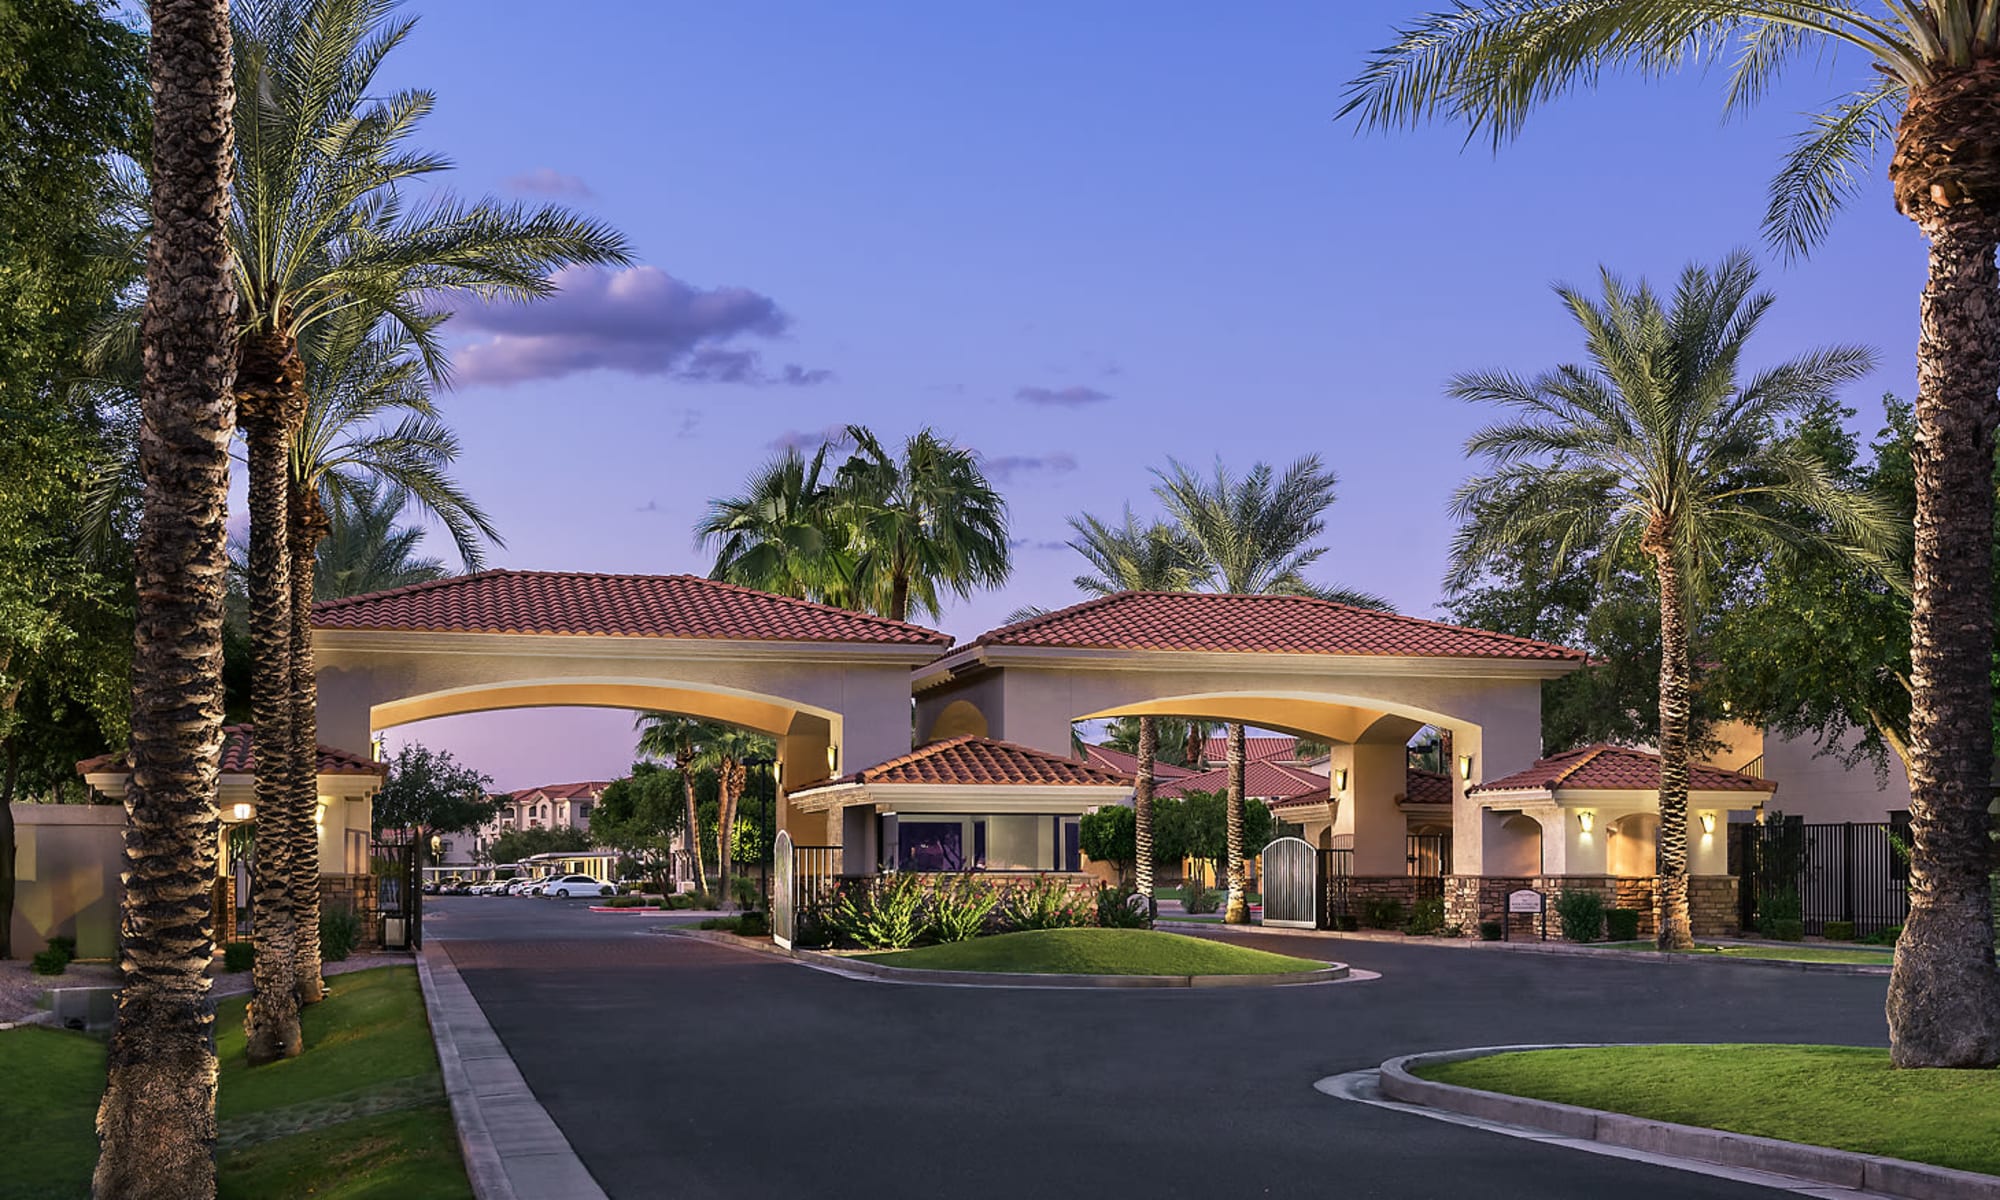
pixel 515 887
pixel 562 887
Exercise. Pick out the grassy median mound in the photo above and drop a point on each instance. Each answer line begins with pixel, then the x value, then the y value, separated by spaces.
pixel 1095 952
pixel 1839 1096
pixel 1856 955
pixel 361 1115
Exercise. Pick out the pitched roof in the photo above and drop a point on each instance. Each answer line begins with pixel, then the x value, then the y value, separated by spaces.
pixel 971 760
pixel 1261 746
pixel 1201 621
pixel 1264 780
pixel 568 602
pixel 1128 764
pixel 1426 787
pixel 239 758
pixel 1603 767
pixel 563 791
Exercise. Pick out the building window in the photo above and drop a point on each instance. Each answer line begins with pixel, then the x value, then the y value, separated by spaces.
pixel 995 841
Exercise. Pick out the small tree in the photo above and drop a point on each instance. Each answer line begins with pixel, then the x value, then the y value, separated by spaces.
pixel 1111 835
pixel 641 816
pixel 427 791
pixel 513 845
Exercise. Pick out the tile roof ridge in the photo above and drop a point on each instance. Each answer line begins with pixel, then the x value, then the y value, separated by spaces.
pixel 411 589
pixel 1587 755
pixel 1026 623
pixel 927 750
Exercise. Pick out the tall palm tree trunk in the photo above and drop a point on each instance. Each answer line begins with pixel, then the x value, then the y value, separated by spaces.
pixel 266 372
pixel 156 1123
pixel 307 525
pixel 1237 911
pixel 1944 995
pixel 693 830
pixel 1142 812
pixel 1676 928
pixel 731 776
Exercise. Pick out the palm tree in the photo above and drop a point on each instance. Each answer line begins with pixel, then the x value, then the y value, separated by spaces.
pixel 781 535
pixel 919 526
pixel 728 750
pixel 321 228
pixel 1930 98
pixel 1254 533
pixel 1132 558
pixel 1658 447
pixel 671 737
pixel 156 1122
pixel 367 551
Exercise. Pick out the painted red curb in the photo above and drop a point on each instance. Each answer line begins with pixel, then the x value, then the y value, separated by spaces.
pixel 600 908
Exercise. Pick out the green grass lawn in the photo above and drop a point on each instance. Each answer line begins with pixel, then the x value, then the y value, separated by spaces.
pixel 361 1115
pixel 1095 952
pixel 1785 953
pixel 1836 1096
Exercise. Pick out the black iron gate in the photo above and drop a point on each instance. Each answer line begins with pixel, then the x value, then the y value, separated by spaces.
pixel 396 861
pixel 1856 872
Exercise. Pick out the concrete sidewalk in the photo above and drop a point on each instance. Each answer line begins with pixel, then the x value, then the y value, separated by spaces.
pixel 513 1150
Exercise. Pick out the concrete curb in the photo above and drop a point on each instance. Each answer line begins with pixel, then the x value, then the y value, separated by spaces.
pixel 513 1150
pixel 1820 1164
pixel 855 968
pixel 1557 948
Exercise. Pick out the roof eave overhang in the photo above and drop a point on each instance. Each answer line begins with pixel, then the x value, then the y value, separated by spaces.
pixel 958 797
pixel 1579 797
pixel 975 658
pixel 235 786
pixel 337 643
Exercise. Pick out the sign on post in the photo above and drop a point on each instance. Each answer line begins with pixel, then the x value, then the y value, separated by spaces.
pixel 1526 900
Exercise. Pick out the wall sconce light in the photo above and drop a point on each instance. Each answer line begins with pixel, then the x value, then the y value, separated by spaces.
pixel 1465 767
pixel 378 748
pixel 1583 820
pixel 244 812
pixel 1340 779
pixel 319 815
pixel 1708 822
pixel 833 759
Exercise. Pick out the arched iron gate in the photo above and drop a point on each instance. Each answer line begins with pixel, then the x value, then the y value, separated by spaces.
pixel 1291 883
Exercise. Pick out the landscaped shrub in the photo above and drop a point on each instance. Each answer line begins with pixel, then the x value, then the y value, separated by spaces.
pixel 1888 935
pixel 1621 924
pixel 752 924
pixel 1197 898
pixel 238 956
pixel 65 944
pixel 1774 907
pixel 50 962
pixel 745 892
pixel 1789 930
pixel 1426 918
pixel 1116 910
pixel 1491 931
pixel 961 906
pixel 1346 922
pixel 1581 914
pixel 811 930
pixel 886 916
pixel 1044 902
pixel 1382 912
pixel 339 932
pixel 1838 931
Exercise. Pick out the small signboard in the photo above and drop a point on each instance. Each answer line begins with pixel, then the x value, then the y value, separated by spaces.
pixel 1526 900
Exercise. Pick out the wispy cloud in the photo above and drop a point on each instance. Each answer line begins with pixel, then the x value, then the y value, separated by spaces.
pixel 805 439
pixel 1074 396
pixel 547 181
pixel 640 320
pixel 1006 466
pixel 1034 544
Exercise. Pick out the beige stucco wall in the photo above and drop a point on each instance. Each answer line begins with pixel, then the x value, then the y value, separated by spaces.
pixel 1608 846
pixel 1818 788
pixel 68 860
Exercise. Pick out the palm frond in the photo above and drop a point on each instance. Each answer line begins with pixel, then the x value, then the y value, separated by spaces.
pixel 1823 167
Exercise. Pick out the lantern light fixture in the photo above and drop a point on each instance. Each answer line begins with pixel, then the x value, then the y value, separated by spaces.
pixel 1708 822
pixel 1583 819
pixel 1465 767
pixel 1340 779
pixel 244 812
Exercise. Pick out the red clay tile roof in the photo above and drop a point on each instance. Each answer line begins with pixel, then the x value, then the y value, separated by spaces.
pixel 1426 787
pixel 983 761
pixel 1197 621
pixel 238 758
pixel 1128 764
pixel 1616 768
pixel 1262 780
pixel 1255 747
pixel 563 791
pixel 564 602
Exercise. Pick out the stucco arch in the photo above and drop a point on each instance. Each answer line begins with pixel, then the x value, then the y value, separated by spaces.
pixel 774 715
pixel 960 718
pixel 1631 846
pixel 1514 846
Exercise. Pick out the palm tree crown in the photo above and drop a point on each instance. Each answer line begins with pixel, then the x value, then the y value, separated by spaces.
pixel 921 525
pixel 778 535
pixel 365 550
pixel 1255 532
pixel 1136 558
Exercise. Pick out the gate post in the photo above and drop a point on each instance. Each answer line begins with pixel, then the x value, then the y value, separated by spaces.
pixel 784 891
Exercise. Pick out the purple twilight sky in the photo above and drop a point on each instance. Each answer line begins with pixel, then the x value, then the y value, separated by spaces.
pixel 1079 238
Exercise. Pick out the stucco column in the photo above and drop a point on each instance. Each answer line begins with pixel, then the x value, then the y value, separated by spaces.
pixel 1381 832
pixel 802 755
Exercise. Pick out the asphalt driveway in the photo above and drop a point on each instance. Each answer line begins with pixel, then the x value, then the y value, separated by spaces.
pixel 682 1069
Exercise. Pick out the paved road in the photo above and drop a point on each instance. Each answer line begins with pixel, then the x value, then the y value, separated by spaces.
pixel 682 1069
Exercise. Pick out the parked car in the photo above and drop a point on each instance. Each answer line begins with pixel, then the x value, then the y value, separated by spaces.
pixel 518 887
pixel 562 887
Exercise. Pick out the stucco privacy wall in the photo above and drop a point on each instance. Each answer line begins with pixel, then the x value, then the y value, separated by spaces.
pixel 68 859
pixel 1492 708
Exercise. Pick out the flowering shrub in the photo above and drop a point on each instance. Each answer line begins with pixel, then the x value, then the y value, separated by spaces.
pixel 960 907
pixel 887 916
pixel 1045 902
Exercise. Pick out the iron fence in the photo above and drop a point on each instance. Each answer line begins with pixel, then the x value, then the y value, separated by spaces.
pixel 1336 898
pixel 1857 872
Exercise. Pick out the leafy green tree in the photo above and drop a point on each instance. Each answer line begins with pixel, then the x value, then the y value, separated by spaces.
pixel 430 792
pixel 920 525
pixel 1110 835
pixel 156 1122
pixel 1658 444
pixel 516 845
pixel 1928 96
pixel 1207 821
pixel 641 816
pixel 1129 557
pixel 728 752
pixel 674 738
pixel 1257 532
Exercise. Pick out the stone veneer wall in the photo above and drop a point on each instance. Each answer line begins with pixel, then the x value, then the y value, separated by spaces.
pixel 1470 899
pixel 356 892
